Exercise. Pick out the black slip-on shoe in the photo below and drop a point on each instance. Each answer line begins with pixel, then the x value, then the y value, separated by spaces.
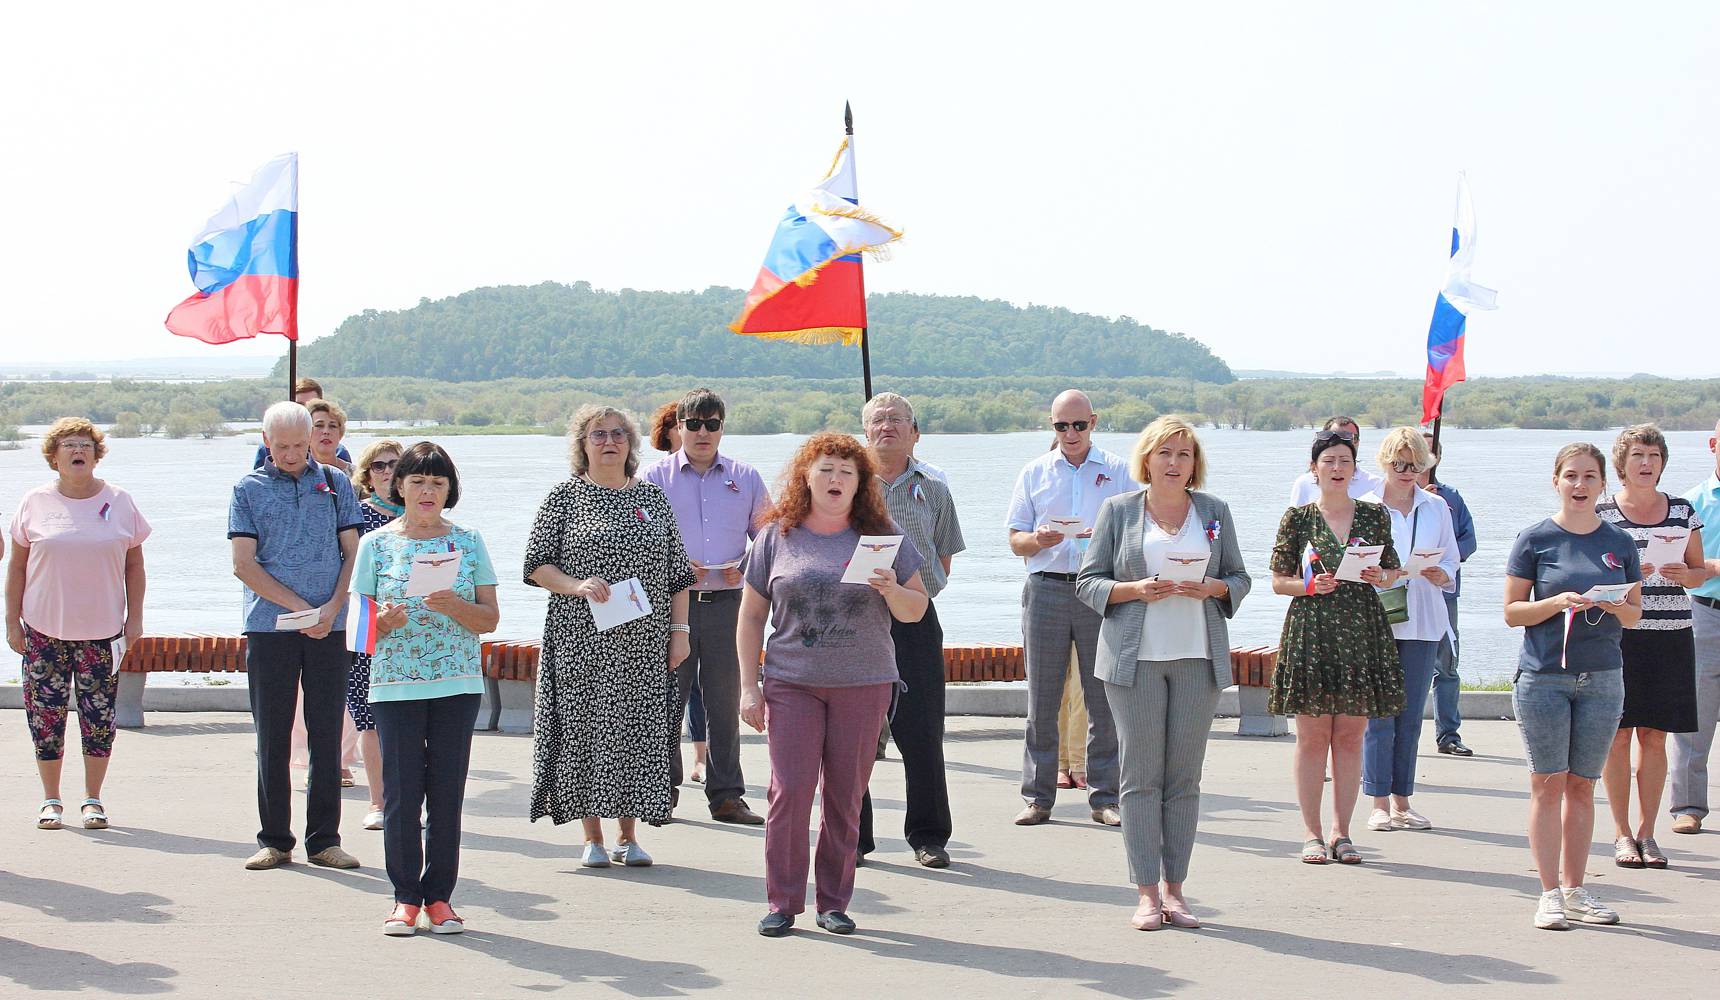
pixel 776 924
pixel 932 857
pixel 1456 748
pixel 836 922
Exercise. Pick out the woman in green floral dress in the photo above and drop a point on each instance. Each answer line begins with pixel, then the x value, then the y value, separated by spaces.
pixel 1337 661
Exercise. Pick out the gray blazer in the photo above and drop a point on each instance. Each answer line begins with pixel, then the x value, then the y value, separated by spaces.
pixel 1114 556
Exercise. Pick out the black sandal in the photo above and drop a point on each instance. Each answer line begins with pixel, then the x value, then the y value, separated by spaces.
pixel 1345 853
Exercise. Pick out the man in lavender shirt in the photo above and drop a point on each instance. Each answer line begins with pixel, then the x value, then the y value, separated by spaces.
pixel 718 502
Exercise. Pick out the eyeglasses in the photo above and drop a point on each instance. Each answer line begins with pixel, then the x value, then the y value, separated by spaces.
pixel 1062 425
pixel 380 466
pixel 712 424
pixel 77 445
pixel 618 435
pixel 1406 467
pixel 1324 436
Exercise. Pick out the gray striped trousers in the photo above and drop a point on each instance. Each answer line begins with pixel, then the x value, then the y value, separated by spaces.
pixel 1163 720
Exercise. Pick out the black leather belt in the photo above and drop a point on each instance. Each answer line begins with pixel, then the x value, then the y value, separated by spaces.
pixel 1065 577
pixel 1711 602
pixel 713 596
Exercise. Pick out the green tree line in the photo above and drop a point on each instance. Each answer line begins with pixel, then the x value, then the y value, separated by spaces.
pixel 577 331
pixel 945 404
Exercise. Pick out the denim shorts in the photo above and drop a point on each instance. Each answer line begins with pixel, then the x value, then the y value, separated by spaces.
pixel 1568 721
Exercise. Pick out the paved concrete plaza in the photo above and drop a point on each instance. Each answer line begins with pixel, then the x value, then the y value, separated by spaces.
pixel 160 904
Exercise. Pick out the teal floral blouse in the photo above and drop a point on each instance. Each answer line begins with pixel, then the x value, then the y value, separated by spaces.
pixel 431 656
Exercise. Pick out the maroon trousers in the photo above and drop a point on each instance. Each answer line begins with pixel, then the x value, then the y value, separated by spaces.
pixel 817 732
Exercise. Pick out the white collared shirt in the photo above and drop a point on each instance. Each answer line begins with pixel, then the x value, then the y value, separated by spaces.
pixel 1305 491
pixel 1050 487
pixel 1428 618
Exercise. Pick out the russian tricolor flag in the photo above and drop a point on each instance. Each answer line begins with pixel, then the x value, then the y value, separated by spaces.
pixel 811 288
pixel 1451 309
pixel 245 262
pixel 361 625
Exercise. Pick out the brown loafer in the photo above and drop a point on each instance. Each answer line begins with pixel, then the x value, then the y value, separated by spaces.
pixel 1108 815
pixel 735 811
pixel 1033 815
pixel 333 857
pixel 1686 823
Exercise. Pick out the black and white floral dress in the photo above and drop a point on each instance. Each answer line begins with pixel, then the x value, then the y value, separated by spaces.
pixel 601 736
pixel 358 675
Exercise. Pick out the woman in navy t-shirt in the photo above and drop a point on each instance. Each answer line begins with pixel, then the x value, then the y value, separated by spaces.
pixel 1568 692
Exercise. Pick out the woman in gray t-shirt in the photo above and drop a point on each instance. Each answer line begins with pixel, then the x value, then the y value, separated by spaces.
pixel 1568 693
pixel 829 670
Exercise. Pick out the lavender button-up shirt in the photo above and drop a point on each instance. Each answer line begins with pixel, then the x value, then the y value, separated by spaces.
pixel 718 512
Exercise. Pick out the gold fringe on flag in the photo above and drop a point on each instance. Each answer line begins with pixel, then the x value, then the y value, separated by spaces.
pixel 847 336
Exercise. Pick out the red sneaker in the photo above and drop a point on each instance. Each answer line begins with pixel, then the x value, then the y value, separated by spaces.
pixel 443 919
pixel 403 922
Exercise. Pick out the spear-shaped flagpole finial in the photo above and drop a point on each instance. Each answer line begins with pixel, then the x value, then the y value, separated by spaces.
pixel 848 117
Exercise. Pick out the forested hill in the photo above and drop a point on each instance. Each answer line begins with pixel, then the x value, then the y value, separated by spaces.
pixel 575 330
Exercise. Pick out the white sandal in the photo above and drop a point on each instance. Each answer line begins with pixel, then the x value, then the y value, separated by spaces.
pixel 96 820
pixel 49 817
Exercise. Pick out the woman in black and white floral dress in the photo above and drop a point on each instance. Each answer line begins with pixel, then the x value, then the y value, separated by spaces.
pixel 601 741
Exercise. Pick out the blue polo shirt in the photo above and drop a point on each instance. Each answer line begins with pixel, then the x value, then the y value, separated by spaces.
pixel 1705 500
pixel 1463 525
pixel 297 524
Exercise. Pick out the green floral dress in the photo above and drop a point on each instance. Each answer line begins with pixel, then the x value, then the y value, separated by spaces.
pixel 1336 655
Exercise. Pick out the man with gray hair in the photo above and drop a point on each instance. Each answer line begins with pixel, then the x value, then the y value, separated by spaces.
pixel 1051 514
pixel 293 525
pixel 921 506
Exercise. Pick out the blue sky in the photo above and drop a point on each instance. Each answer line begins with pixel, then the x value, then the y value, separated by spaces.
pixel 1274 180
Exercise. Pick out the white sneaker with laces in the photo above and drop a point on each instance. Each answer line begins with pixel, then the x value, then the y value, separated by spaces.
pixel 1550 914
pixel 1585 907
pixel 1379 821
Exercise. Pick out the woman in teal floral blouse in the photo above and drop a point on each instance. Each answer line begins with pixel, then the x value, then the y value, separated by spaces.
pixel 1337 661
pixel 426 678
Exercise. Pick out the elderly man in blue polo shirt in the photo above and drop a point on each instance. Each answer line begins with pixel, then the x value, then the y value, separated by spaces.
pixel 294 526
pixel 717 502
pixel 1057 497
pixel 1687 761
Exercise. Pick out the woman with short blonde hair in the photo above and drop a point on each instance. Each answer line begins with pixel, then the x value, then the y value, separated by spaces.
pixel 1156 434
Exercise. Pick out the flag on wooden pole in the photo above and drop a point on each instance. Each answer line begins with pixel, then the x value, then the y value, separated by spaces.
pixel 245 262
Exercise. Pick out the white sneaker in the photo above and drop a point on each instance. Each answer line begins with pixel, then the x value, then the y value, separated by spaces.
pixel 373 819
pixel 1550 914
pixel 1409 819
pixel 1585 907
pixel 1379 821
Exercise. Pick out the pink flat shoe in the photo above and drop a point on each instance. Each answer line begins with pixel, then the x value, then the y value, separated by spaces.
pixel 1182 918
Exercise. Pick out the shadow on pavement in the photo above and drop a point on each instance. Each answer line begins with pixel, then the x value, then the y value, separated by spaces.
pixel 565 965
pixel 1373 956
pixel 69 971
pixel 1118 979
pixel 76 903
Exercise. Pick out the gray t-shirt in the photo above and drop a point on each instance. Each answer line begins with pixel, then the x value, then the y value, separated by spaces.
pixel 1558 560
pixel 826 633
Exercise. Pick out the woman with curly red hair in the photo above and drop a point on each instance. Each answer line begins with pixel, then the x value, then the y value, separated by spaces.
pixel 829 670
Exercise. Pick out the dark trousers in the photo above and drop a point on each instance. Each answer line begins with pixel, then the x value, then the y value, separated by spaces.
pixel 716 666
pixel 426 748
pixel 277 666
pixel 918 728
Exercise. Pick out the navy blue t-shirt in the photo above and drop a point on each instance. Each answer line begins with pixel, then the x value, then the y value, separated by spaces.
pixel 1557 560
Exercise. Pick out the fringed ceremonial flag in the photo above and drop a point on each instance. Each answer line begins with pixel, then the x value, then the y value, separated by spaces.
pixel 810 289
pixel 245 262
pixel 1451 309
pixel 361 625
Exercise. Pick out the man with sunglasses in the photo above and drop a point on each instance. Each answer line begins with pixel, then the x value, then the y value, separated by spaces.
pixel 1051 514
pixel 1304 491
pixel 717 502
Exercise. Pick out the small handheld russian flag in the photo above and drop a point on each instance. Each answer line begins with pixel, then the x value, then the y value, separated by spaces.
pixel 361 626
pixel 1308 558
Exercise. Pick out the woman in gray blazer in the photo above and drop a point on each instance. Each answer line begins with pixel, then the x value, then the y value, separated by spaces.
pixel 1164 650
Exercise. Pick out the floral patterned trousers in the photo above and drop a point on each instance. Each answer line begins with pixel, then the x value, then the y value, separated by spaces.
pixel 52 668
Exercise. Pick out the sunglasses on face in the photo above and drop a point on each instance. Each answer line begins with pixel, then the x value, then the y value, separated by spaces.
pixel 712 424
pixel 618 435
pixel 1077 425
pixel 381 466
pixel 1406 467
pixel 1325 436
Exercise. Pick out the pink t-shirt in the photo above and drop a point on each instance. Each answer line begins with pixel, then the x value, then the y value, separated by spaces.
pixel 74 583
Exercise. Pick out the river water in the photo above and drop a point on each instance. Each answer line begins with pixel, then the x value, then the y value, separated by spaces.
pixel 183 488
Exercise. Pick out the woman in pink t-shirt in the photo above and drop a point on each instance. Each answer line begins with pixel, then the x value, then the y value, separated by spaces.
pixel 74 599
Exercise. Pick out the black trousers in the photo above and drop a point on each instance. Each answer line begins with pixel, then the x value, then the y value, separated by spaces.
pixel 426 750
pixel 918 729
pixel 714 663
pixel 277 666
